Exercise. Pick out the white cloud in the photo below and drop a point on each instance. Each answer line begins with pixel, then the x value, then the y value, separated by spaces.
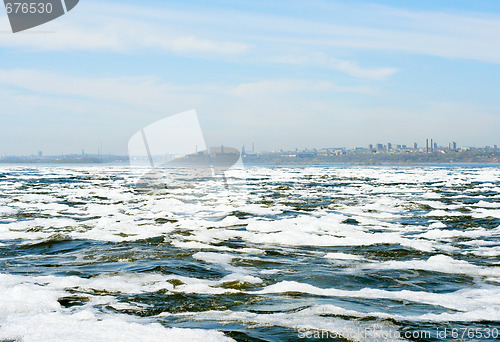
pixel 472 36
pixel 286 87
pixel 121 28
pixel 189 44
pixel 346 66
pixel 126 99
pixel 110 27
pixel 291 105
pixel 98 28
pixel 148 92
pixel 353 69
pixel 277 113
pixel 151 93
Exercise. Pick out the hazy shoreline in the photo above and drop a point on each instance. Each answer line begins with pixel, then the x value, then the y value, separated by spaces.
pixel 271 158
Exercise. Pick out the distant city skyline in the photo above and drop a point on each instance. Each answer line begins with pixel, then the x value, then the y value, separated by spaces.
pixel 253 148
pixel 280 74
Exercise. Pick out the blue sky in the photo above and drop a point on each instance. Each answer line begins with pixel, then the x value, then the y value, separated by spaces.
pixel 282 74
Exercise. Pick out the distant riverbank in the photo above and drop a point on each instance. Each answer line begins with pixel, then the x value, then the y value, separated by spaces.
pixel 462 157
pixel 385 158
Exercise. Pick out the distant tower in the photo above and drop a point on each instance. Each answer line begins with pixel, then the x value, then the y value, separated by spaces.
pixel 415 146
pixel 389 146
pixel 432 144
pixel 454 146
pixel 41 154
pixel 426 145
pixel 435 146
pixel 370 147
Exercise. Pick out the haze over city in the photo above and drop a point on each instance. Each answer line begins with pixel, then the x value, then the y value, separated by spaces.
pixel 282 75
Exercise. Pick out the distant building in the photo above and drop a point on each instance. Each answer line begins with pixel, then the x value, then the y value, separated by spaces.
pixel 389 146
pixel 40 153
pixel 370 147
pixel 415 146
pixel 380 147
pixel 454 146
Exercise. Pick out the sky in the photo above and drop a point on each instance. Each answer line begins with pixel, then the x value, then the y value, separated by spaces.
pixel 282 74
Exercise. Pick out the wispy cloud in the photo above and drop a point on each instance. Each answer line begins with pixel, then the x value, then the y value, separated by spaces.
pixel 287 87
pixel 190 44
pixel 346 66
pixel 115 97
pixel 99 28
pixel 335 74
pixel 472 36
pixel 149 92
pixel 277 112
pixel 124 28
pixel 138 90
pixel 111 27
